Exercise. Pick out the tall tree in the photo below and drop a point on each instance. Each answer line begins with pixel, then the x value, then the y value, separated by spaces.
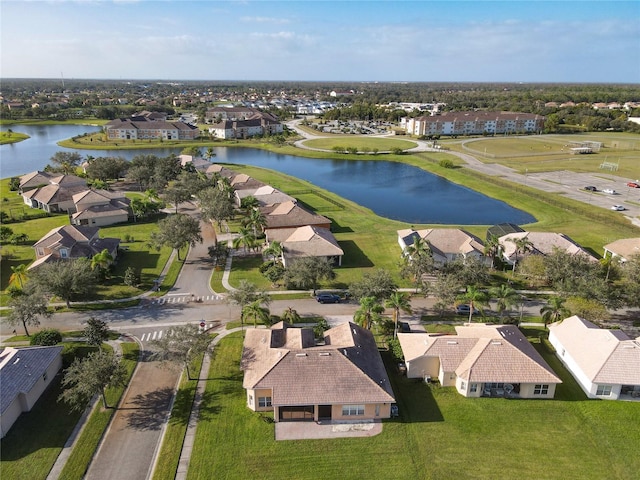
pixel 216 205
pixel 523 245
pixel 274 251
pixel 369 313
pixel 493 249
pixel 247 293
pixel 255 220
pixel 69 280
pixel 378 284
pixel 554 311
pixel 506 297
pixel 66 162
pixel 102 261
pixel 90 376
pixel 177 231
pixel 475 298
pixel 307 272
pixel 290 316
pixel 181 345
pixel 26 308
pixel 245 239
pixel 398 301
pixel 96 332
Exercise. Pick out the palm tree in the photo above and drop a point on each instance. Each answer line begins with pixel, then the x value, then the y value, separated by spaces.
pixel 256 311
pixel 398 301
pixel 493 249
pixel 101 260
pixel 419 247
pixel 274 250
pixel 246 239
pixel 523 245
pixel 473 297
pixel 369 312
pixel 209 153
pixel 19 275
pixel 255 220
pixel 554 311
pixel 290 316
pixel 505 296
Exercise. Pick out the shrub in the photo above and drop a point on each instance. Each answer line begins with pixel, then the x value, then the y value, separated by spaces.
pixel 47 337
pixel 446 163
pixel 131 277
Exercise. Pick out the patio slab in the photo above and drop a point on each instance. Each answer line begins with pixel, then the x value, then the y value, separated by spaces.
pixel 316 430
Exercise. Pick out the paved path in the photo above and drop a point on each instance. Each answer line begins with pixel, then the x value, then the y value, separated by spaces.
pixel 130 444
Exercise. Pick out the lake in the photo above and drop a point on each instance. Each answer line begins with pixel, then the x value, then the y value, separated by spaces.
pixel 392 190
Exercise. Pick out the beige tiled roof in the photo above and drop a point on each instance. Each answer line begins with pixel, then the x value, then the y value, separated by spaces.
pixel 625 247
pixel 482 353
pixel 604 356
pixel 34 179
pixel 347 369
pixel 445 241
pixel 96 211
pixel 290 214
pixel 67 235
pixel 543 243
pixel 310 241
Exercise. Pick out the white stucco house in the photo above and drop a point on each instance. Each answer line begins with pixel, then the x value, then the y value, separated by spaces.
pixel 25 373
pixel 446 244
pixel 605 363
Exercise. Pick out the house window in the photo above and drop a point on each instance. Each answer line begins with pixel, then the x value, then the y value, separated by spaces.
pixel 352 410
pixel 473 388
pixel 603 390
pixel 44 376
pixel 63 253
pixel 541 389
pixel 250 400
pixel 264 401
pixel 40 252
pixel 463 385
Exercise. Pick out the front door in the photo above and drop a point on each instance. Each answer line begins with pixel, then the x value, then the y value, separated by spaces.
pixel 324 412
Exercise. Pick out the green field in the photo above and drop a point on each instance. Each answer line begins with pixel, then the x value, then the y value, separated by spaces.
pixel 542 153
pixel 439 435
pixel 11 137
pixel 361 143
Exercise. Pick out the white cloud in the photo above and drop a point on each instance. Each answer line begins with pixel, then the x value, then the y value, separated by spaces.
pixel 274 20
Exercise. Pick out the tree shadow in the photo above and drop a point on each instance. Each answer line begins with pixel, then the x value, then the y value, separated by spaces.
pixel 337 228
pixel 353 257
pixel 148 411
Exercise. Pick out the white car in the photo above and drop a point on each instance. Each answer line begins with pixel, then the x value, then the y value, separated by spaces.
pixel 618 208
pixel 610 191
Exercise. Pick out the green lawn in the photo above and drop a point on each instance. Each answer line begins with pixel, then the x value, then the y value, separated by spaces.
pixel 440 435
pixel 12 137
pixel 361 143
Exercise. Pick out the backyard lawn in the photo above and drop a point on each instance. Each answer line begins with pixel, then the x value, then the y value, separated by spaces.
pixel 439 435
pixel 361 143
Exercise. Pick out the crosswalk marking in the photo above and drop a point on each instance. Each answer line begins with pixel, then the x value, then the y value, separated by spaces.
pixel 185 298
pixel 157 334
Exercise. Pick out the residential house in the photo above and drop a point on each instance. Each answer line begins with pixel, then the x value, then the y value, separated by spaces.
pixel 100 208
pixel 56 195
pixel 446 244
pixel 623 249
pixel 305 242
pixel 605 363
pixel 217 169
pixel 290 215
pixel 256 125
pixel 342 379
pixel 264 195
pixel 198 163
pixel 72 241
pixel 480 360
pixel 542 243
pixel 25 373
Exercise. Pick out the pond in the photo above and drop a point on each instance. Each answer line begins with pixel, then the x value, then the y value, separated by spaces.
pixel 392 190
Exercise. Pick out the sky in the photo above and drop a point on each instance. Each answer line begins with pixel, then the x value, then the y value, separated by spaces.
pixel 315 40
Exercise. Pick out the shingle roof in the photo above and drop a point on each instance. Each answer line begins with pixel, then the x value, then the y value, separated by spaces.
pixel 625 247
pixel 347 369
pixel 543 243
pixel 604 356
pixel 21 368
pixel 67 235
pixel 310 241
pixel 443 241
pixel 290 214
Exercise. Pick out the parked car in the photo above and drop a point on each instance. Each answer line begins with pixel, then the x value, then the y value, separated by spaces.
pixel 404 327
pixel 618 208
pixel 633 185
pixel 464 309
pixel 327 298
pixel 610 191
pixel 394 410
pixel 591 188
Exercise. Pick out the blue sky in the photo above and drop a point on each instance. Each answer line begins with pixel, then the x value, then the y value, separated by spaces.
pixel 528 41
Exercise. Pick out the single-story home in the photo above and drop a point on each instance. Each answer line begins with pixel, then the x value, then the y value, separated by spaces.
pixel 623 249
pixel 446 244
pixel 200 164
pixel 289 214
pixel 72 241
pixel 264 195
pixel 480 360
pixel 26 373
pixel 342 378
pixel 542 243
pixel 307 241
pixel 56 195
pixel 605 363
